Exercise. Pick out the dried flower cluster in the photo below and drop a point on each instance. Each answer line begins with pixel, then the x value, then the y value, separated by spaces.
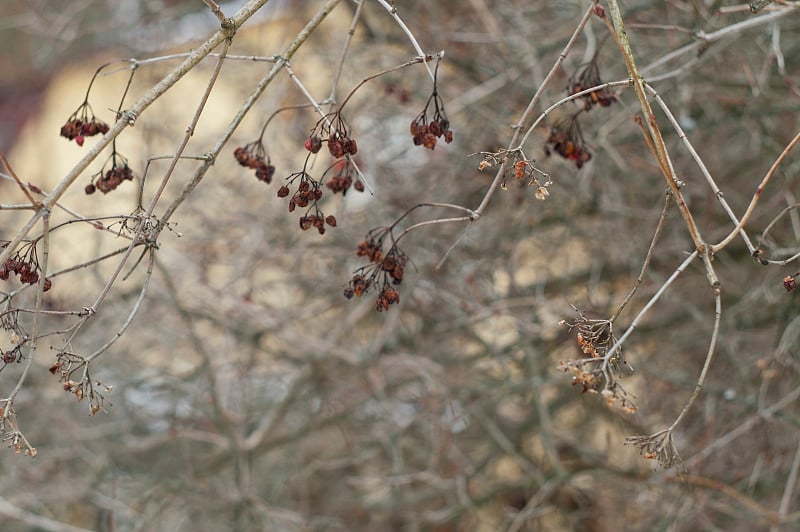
pixel 65 366
pixel 658 446
pixel 81 124
pixel 385 270
pixel 594 339
pixel 520 167
pixel 253 155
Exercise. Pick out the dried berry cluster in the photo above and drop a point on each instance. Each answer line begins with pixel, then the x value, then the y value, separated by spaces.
pixel 790 282
pixel 83 124
pixel 254 156
pixel 586 78
pixel 110 180
pixel 343 176
pixel 11 356
pixel 386 270
pixel 308 194
pixel 332 129
pixel 565 137
pixel 566 140
pixel 26 268
pixel 424 132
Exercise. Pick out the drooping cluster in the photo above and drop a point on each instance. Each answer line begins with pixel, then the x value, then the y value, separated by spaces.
pixel 520 167
pixel 254 156
pixel 565 139
pixel 26 267
pixel 69 364
pixel 333 130
pixel 595 337
pixel 81 124
pixel 586 78
pixel 307 195
pixel 384 270
pixel 425 132
pixel 12 355
pixel 341 175
pixel 107 180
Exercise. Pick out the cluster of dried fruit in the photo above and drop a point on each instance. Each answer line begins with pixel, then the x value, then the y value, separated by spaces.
pixel 26 270
pixel 566 140
pixel 82 123
pixel 254 156
pixel 344 176
pixel 587 78
pixel 424 132
pixel 386 270
pixel 110 180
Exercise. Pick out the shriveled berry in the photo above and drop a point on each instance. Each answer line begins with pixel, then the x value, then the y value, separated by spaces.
pixel 789 283
pixel 313 144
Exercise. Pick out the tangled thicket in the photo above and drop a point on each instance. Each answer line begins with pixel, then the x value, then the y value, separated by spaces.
pixel 616 267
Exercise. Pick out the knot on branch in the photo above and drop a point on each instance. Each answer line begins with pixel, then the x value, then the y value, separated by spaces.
pixel 228 27
pixel 129 117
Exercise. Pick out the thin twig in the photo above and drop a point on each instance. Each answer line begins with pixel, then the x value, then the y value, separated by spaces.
pixel 757 195
pixel 129 117
pixel 286 55
pixel 655 297
pixel 791 484
pixel 393 12
pixel 350 33
pixel 710 180
pixel 647 257
pixel 132 314
pixel 498 178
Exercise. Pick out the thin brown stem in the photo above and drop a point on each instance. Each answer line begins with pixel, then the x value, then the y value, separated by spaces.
pixel 757 195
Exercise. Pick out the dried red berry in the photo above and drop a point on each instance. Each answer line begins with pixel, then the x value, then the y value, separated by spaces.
pixel 313 144
pixel 789 283
pixel 330 220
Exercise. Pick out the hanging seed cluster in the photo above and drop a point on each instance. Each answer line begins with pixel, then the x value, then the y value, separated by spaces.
pixel 25 266
pixel 565 139
pixel 586 78
pixel 254 156
pixel 384 270
pixel 81 124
